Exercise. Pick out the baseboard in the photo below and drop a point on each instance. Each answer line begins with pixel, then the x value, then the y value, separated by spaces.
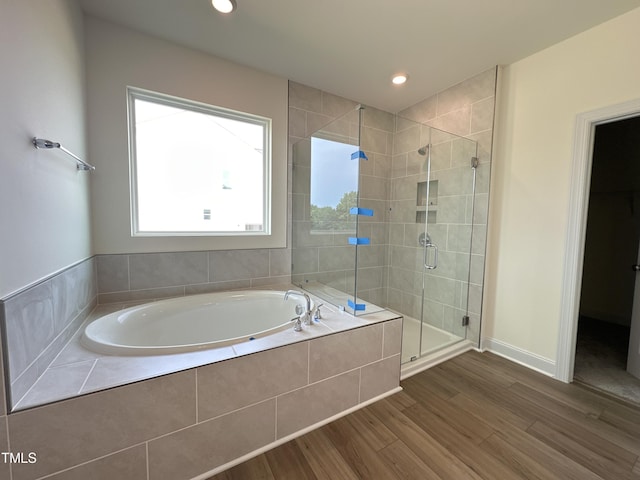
pixel 422 364
pixel 518 355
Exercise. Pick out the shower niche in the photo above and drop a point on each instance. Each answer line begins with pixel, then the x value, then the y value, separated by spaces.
pixel 427 202
pixel 359 209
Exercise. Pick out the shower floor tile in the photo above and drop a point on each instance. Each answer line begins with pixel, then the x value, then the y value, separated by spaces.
pixel 433 339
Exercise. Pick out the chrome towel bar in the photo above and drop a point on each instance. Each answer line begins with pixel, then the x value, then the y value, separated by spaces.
pixel 43 143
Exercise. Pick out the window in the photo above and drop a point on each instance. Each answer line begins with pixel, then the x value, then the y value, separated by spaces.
pixel 334 186
pixel 197 169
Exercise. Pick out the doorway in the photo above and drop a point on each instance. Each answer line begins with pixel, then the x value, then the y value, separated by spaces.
pixel 610 250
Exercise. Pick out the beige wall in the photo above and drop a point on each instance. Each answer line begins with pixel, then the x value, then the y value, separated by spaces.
pixel 118 57
pixel 44 200
pixel 539 98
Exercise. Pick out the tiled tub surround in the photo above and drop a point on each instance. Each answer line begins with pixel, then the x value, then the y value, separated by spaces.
pixel 149 276
pixel 77 370
pixel 39 321
pixel 189 424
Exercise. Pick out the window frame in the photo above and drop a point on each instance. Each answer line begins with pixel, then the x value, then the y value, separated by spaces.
pixel 134 93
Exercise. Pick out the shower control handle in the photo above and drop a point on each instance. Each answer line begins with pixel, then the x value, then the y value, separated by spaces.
pixel 434 265
pixel 635 267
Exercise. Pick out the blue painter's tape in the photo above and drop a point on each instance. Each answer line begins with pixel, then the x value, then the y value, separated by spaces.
pixel 359 241
pixel 359 154
pixel 367 212
pixel 356 306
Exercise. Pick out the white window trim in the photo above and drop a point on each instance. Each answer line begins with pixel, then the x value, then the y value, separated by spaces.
pixel 134 93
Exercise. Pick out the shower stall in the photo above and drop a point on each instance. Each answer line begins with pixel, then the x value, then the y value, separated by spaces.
pixel 385 216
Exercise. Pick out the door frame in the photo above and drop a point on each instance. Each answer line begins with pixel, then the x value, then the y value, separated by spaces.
pixel 583 141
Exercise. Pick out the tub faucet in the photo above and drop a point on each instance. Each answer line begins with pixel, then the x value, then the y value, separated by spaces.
pixel 306 316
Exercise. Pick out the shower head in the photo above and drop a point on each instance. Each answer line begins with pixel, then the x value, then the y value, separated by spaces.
pixel 423 150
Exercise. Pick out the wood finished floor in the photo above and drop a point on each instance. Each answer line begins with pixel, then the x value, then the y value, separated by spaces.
pixel 477 416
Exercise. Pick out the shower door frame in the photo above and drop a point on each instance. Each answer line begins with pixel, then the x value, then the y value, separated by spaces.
pixel 426 261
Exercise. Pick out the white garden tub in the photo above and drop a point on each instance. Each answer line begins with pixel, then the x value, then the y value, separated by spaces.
pixel 187 324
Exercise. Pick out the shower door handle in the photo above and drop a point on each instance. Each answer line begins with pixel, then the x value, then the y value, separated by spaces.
pixel 434 265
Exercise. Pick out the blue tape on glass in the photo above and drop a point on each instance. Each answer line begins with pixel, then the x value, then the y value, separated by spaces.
pixel 356 306
pixel 358 154
pixel 367 212
pixel 359 241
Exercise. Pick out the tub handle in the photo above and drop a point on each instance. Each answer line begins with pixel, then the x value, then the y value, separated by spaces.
pixel 298 325
pixel 317 315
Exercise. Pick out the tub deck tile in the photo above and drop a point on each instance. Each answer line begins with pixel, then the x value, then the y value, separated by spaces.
pixel 112 371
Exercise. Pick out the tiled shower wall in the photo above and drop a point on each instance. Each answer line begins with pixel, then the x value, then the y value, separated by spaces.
pixel 467 110
pixel 327 257
pixel 321 255
pixel 449 209
pixel 374 189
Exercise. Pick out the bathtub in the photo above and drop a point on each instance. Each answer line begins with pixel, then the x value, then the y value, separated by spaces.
pixel 191 323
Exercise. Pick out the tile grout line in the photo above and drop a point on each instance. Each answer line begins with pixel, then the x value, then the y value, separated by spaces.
pixel 187 427
pixel 146 444
pixel 358 368
pixel 308 363
pixel 88 375
pixel 129 273
pixel 197 395
pixel 101 457
pixel 275 423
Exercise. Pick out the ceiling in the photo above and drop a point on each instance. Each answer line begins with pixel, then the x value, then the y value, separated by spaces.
pixel 352 47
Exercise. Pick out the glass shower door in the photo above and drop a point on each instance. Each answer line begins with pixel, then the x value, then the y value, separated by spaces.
pixel 430 230
pixel 445 207
pixel 324 191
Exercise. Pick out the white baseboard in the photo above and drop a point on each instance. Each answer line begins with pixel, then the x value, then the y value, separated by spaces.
pixel 422 364
pixel 518 355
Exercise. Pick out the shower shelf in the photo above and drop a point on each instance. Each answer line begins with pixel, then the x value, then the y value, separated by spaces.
pixel 427 201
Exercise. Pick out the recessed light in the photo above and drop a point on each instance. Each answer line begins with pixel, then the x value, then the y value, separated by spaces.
pixel 399 78
pixel 224 6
